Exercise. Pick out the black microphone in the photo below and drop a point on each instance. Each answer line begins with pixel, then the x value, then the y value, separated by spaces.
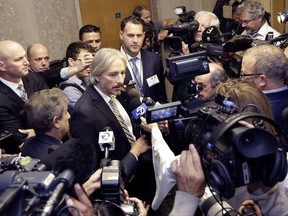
pixel 74 154
pixel 62 182
pixel 238 43
pixel 183 27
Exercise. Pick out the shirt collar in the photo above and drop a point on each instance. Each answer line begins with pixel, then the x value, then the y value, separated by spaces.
pixel 11 85
pixel 103 95
pixel 128 57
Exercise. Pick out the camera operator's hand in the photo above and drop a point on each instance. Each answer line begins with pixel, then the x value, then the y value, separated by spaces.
pixel 142 208
pixel 82 206
pixel 140 146
pixel 163 126
pixel 185 49
pixel 189 173
pixel 147 127
pixel 250 204
pixel 28 132
pixel 93 183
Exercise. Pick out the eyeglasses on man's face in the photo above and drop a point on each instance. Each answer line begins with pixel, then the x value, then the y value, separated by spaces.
pixel 245 22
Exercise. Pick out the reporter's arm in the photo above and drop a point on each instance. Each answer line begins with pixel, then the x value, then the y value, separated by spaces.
pixel 184 204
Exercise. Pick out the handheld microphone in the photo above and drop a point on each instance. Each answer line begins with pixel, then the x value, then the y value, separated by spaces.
pixel 106 139
pixel 139 110
pixel 106 142
pixel 238 43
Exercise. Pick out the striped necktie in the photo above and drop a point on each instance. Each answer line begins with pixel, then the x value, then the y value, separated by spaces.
pixel 121 120
pixel 23 94
pixel 136 73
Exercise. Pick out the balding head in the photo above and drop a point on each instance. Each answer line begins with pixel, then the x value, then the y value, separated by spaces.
pixel 38 56
pixel 13 61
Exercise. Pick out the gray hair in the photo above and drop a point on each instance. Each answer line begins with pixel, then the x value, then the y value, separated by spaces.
pixel 270 61
pixel 43 106
pixel 214 19
pixel 218 74
pixel 253 8
pixel 102 61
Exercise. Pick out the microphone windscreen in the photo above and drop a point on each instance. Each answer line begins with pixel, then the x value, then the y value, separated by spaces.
pixel 133 93
pixel 76 155
pixel 134 103
pixel 238 43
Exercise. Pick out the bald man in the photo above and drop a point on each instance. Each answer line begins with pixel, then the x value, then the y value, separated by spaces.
pixel 38 57
pixel 14 71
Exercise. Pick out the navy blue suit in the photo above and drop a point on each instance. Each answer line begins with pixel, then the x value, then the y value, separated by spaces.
pixel 152 65
pixel 40 146
pixel 279 101
pixel 12 115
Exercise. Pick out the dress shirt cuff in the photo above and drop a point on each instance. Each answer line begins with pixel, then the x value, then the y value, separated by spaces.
pixel 185 204
pixel 64 73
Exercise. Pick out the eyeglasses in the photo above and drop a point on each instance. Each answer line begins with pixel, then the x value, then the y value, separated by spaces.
pixel 246 22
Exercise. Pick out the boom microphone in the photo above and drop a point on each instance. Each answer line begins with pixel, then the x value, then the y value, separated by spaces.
pixel 183 27
pixel 238 43
pixel 74 154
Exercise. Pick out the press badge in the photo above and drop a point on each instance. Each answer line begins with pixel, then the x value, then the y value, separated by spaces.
pixel 153 80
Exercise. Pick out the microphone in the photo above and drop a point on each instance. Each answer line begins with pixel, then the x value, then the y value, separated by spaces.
pixel 183 27
pixel 238 43
pixel 106 142
pixel 74 154
pixel 106 139
pixel 140 110
pixel 62 182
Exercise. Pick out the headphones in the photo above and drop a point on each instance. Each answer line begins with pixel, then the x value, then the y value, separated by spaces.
pixel 273 167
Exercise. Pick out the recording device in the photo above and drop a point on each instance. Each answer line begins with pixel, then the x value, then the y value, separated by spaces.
pixel 163 112
pixel 183 30
pixel 24 164
pixel 187 66
pixel 232 155
pixel 39 192
pixel 282 17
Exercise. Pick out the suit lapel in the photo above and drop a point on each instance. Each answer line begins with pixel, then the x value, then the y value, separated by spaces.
pixel 10 94
pixel 103 107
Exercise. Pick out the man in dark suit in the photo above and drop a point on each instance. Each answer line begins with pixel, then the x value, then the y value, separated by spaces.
pixel 144 67
pixel 14 71
pixel 52 106
pixel 95 110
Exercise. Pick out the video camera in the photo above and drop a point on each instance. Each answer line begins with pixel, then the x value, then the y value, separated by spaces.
pixel 232 154
pixel 183 30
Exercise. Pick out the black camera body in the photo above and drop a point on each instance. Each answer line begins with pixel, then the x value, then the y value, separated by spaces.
pixel 232 154
pixel 183 30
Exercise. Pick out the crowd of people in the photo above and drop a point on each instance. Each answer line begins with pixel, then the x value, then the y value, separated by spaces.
pixel 43 108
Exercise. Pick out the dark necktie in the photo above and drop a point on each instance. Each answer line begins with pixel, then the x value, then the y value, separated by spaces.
pixel 121 120
pixel 23 94
pixel 136 73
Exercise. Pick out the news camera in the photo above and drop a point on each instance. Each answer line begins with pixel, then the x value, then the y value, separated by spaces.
pixel 232 154
pixel 183 30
